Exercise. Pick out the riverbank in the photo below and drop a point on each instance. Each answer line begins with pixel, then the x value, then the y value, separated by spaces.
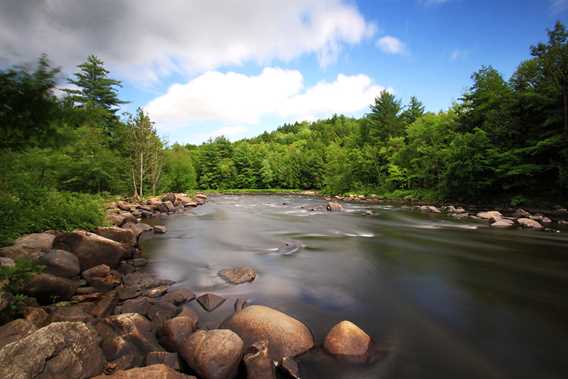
pixel 97 310
pixel 532 217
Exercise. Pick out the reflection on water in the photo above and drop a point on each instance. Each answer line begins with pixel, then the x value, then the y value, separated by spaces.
pixel 443 298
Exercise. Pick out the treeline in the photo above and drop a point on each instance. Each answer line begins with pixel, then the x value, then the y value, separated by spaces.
pixel 63 152
pixel 504 139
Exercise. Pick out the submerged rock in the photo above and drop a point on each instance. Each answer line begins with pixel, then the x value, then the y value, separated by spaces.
pixel 334 207
pixel 289 248
pixel 213 354
pixel 238 275
pixel 286 336
pixel 347 339
pixel 210 301
pixel 59 350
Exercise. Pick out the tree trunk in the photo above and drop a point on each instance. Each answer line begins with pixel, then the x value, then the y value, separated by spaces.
pixel 134 183
pixel 141 173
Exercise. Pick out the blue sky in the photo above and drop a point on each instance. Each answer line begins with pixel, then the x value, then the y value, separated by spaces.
pixel 241 67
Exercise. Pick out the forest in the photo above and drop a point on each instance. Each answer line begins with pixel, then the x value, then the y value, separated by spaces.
pixel 64 151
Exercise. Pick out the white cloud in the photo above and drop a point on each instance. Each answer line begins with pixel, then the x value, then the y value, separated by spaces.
pixel 558 6
pixel 392 45
pixel 231 98
pixel 146 40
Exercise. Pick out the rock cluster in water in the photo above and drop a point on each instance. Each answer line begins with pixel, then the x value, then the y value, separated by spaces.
pixel 114 320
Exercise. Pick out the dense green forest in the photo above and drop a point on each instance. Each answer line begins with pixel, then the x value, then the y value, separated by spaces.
pixel 502 139
pixel 63 152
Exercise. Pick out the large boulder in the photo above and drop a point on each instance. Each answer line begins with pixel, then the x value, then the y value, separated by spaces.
pixel 59 350
pixel 47 288
pixel 213 354
pixel 31 246
pixel 127 338
pixel 72 313
pixel 15 330
pixel 122 235
pixel 91 249
pixel 238 275
pixel 61 263
pixel 347 339
pixel 157 371
pixel 163 357
pixel 286 336
pixel 174 331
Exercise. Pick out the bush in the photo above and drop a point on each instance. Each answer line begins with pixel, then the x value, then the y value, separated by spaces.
pixel 42 210
pixel 14 280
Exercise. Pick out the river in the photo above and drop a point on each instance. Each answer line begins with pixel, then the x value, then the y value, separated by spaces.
pixel 442 298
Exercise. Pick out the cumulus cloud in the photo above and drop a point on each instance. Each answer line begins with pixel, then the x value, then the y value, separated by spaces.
pixel 232 98
pixel 392 45
pixel 147 40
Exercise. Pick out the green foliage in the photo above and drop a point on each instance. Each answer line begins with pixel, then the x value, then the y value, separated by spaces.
pixel 179 174
pixel 14 280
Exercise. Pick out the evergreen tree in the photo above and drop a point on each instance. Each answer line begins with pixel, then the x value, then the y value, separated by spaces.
pixel 384 120
pixel 413 111
pixel 95 88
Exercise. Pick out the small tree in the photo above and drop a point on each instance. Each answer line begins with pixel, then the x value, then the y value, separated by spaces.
pixel 146 152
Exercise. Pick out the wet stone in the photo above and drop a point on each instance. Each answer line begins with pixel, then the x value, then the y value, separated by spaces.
pixel 210 301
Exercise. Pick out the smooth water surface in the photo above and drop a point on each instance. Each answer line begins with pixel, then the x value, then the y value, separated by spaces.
pixel 443 298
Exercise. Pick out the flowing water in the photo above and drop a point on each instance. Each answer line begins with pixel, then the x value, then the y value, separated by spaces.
pixel 442 298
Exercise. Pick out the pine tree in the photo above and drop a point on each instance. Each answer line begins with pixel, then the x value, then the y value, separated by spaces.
pixel 413 111
pixel 384 121
pixel 95 88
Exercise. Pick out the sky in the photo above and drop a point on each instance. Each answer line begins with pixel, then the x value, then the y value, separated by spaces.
pixel 239 67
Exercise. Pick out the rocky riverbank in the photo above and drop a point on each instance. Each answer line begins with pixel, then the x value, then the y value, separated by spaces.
pixel 96 311
pixel 506 218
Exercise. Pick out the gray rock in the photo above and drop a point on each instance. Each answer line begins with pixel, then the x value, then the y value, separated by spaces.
pixel 174 331
pixel 60 263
